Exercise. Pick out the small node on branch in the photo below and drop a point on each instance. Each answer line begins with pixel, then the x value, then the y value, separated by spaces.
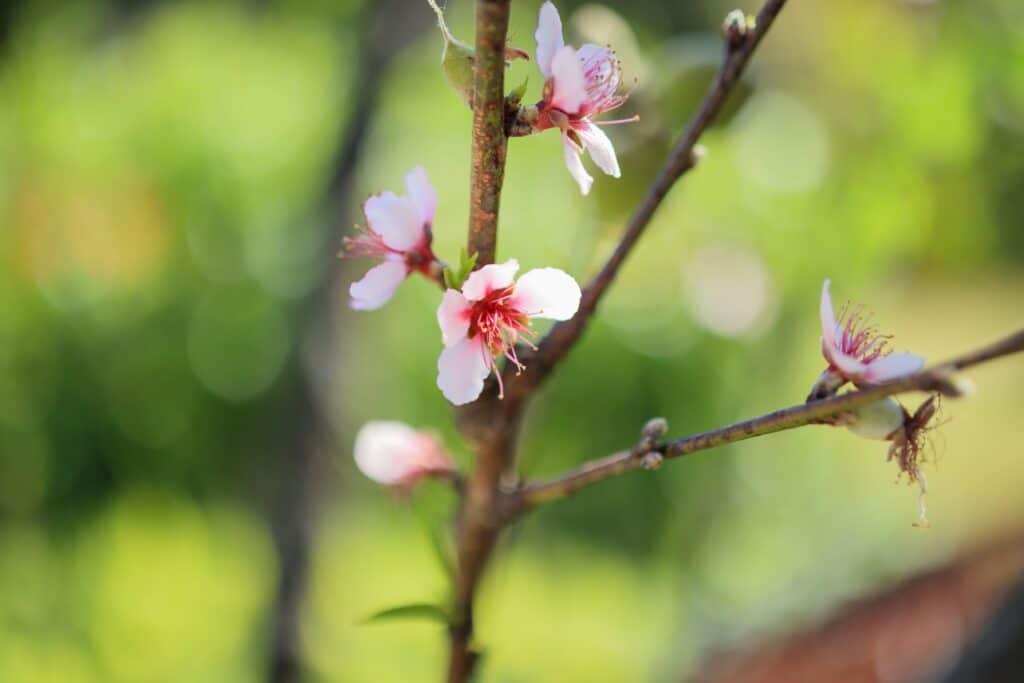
pixel 652 460
pixel 737 27
pixel 650 435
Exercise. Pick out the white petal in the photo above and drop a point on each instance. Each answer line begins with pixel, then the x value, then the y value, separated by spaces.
pixel 377 286
pixel 892 366
pixel 569 87
pixel 395 219
pixel 453 317
pixel 828 318
pixel 848 366
pixel 493 276
pixel 549 37
pixel 599 146
pixel 385 451
pixel 877 420
pixel 421 194
pixel 547 293
pixel 575 164
pixel 462 369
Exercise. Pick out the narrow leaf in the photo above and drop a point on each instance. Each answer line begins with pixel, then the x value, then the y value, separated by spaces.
pixel 413 611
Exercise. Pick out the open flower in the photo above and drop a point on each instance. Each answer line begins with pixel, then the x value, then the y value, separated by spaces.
pixel 486 319
pixel 395 454
pixel 855 350
pixel 398 232
pixel 579 84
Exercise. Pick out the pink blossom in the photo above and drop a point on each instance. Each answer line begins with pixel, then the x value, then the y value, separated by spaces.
pixel 395 454
pixel 398 232
pixel 489 316
pixel 580 84
pixel 855 350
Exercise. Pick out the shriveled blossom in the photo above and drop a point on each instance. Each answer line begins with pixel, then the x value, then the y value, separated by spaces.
pixel 395 454
pixel 489 316
pixel 398 231
pixel 856 352
pixel 579 84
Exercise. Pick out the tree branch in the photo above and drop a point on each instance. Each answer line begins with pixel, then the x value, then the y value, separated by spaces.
pixel 561 338
pixel 489 141
pixel 934 379
pixel 479 524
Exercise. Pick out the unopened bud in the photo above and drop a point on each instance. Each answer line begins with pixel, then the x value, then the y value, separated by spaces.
pixel 655 429
pixel 736 27
pixel 877 420
pixel 652 460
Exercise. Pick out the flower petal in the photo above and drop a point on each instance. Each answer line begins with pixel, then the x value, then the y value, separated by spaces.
pixel 848 366
pixel 493 276
pixel 828 319
pixel 385 451
pixel 575 164
pixel 395 219
pixel 453 317
pixel 569 87
pixel 877 420
pixel 421 194
pixel 462 369
pixel 377 286
pixel 547 293
pixel 599 146
pixel 892 366
pixel 549 37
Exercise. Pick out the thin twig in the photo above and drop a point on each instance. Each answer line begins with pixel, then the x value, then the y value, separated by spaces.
pixel 934 379
pixel 682 158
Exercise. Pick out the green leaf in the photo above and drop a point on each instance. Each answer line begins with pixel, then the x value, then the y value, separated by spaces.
pixel 450 279
pixel 413 611
pixel 516 94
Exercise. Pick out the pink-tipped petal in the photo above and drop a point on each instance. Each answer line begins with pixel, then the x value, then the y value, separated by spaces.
pixel 395 219
pixel 386 451
pixel 892 366
pixel 462 369
pixel 599 146
pixel 421 194
pixel 570 89
pixel 547 293
pixel 848 366
pixel 377 286
pixel 453 317
pixel 549 37
pixel 575 164
pixel 828 318
pixel 493 276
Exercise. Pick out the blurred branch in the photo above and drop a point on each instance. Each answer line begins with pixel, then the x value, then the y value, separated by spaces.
pixel 935 379
pixel 380 38
pixel 741 41
pixel 489 141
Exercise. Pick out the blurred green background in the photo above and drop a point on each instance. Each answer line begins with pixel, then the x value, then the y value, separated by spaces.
pixel 168 278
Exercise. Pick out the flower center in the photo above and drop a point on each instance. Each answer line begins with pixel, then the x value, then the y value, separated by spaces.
pixel 859 337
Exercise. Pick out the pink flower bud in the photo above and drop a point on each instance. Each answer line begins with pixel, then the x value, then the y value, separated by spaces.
pixel 395 454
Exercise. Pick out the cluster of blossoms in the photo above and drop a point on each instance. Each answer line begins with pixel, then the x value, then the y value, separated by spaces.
pixel 488 314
